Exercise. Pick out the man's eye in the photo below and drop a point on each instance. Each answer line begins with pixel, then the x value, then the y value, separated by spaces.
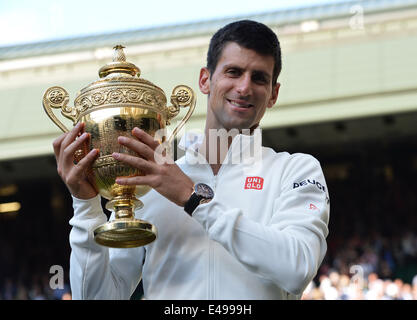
pixel 233 72
pixel 259 79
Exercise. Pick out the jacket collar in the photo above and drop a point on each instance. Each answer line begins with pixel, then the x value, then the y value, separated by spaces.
pixel 243 149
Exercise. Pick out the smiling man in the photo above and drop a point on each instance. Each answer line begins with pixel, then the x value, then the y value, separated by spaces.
pixel 239 89
pixel 226 230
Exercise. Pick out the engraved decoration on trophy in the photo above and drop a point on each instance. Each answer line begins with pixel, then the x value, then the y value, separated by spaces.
pixel 111 107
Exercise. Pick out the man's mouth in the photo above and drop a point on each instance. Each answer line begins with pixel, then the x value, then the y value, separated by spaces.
pixel 240 103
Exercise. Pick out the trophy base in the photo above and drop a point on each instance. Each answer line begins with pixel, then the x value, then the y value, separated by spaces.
pixel 122 233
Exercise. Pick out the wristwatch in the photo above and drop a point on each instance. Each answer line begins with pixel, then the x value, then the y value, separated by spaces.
pixel 202 194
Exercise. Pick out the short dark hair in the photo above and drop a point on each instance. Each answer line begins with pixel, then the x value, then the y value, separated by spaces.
pixel 250 35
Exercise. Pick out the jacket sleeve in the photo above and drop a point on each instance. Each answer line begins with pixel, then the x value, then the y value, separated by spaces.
pixel 289 250
pixel 98 272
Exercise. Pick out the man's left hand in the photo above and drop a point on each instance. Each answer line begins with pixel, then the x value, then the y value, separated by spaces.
pixel 167 178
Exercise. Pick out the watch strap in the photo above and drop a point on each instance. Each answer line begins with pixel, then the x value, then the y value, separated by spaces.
pixel 192 203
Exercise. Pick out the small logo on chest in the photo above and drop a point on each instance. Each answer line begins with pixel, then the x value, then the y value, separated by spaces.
pixel 256 183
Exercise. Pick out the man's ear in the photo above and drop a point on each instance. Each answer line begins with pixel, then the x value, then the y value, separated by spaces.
pixel 204 80
pixel 274 96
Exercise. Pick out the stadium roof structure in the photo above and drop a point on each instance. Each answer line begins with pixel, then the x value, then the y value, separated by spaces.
pixel 278 18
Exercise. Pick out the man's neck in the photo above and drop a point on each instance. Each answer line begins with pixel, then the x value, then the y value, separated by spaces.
pixel 214 149
pixel 215 146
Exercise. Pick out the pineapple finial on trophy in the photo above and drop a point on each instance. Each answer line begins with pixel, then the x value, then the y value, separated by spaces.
pixel 119 65
pixel 118 54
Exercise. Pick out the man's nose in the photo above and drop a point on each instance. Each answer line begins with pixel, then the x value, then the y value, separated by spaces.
pixel 244 85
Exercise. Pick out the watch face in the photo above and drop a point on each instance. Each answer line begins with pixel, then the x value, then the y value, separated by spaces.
pixel 204 190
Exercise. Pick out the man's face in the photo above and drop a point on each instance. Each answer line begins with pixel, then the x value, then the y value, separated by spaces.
pixel 240 89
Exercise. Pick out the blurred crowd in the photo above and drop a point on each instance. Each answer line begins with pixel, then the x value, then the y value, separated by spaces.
pixel 38 288
pixel 336 286
pixel 372 242
pixel 377 269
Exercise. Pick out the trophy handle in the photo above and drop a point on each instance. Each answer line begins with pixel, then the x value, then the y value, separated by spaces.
pixel 182 96
pixel 57 97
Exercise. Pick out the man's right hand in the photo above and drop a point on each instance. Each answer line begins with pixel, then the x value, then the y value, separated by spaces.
pixel 75 175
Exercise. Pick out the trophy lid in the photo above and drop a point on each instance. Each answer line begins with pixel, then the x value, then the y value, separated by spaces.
pixel 120 85
pixel 119 64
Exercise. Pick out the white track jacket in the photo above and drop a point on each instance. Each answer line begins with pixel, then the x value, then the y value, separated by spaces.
pixel 263 236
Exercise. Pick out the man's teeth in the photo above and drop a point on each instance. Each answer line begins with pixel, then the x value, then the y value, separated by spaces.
pixel 240 105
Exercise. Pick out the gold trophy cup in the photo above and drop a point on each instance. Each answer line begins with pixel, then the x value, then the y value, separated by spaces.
pixel 111 107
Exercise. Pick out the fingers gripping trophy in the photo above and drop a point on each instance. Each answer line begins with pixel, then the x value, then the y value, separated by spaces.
pixel 111 107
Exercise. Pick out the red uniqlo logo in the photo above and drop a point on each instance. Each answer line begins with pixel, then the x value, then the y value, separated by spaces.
pixel 254 183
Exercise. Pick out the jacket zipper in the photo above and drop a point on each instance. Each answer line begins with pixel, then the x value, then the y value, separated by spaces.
pixel 211 262
pixel 212 256
pixel 212 275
